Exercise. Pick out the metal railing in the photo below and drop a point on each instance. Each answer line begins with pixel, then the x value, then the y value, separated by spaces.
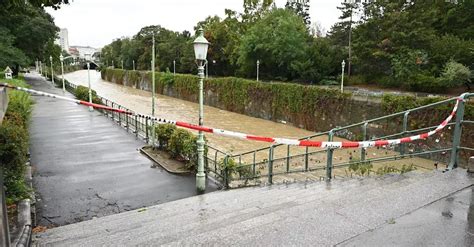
pixel 141 127
pixel 264 163
pixel 282 159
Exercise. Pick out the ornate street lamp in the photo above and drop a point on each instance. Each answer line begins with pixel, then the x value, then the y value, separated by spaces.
pixel 52 71
pixel 200 51
pixel 61 58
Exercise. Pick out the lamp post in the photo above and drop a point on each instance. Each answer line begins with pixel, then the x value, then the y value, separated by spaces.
pixel 343 65
pixel 351 2
pixel 122 64
pixel 258 68
pixel 113 65
pixel 61 58
pixel 200 51
pixel 174 67
pixel 153 91
pixel 52 71
pixel 133 62
pixel 89 80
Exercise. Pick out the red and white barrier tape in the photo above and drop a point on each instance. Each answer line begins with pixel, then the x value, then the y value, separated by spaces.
pixel 81 102
pixel 285 141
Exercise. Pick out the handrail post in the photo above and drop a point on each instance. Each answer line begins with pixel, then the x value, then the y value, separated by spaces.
pixel 270 165
pixel 364 138
pixel 146 129
pixel 405 128
pixel 287 158
pixel 226 171
pixel 254 154
pixel 136 125
pixel 306 161
pixel 329 157
pixel 457 134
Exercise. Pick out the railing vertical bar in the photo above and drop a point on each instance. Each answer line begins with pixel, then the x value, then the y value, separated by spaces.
pixel 364 138
pixel 287 158
pixel 270 165
pixel 306 161
pixel 405 129
pixel 254 154
pixel 330 151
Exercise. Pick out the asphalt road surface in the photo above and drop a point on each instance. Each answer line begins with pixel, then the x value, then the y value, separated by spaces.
pixel 86 166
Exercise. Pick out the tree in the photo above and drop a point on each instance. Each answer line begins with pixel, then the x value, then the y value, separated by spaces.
pixel 279 41
pixel 301 8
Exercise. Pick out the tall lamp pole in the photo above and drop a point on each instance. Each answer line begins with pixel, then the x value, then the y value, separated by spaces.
pixel 61 58
pixel 89 81
pixel 174 67
pixel 200 51
pixel 122 64
pixel 153 90
pixel 343 65
pixel 351 2
pixel 52 70
pixel 133 64
pixel 258 68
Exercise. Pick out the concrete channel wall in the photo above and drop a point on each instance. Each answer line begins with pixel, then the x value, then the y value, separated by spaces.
pixel 329 112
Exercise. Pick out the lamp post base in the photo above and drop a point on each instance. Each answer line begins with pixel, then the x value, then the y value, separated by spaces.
pixel 201 183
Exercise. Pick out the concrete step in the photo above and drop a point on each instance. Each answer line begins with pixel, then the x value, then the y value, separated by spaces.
pixel 313 213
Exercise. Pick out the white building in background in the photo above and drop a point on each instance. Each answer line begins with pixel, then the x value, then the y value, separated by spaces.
pixel 83 50
pixel 63 39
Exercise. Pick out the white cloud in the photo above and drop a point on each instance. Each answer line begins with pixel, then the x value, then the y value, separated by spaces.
pixel 98 22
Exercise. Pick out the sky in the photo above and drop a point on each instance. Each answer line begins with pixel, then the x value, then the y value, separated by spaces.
pixel 97 22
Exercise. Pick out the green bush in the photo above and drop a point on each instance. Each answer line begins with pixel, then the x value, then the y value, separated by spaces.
pixel 233 168
pixel 455 74
pixel 183 145
pixel 14 142
pixel 82 93
pixel 425 83
pixel 164 133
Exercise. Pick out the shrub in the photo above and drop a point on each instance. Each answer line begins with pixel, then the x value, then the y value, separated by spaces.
pixel 82 93
pixel 164 133
pixel 455 74
pixel 14 142
pixel 183 145
pixel 233 168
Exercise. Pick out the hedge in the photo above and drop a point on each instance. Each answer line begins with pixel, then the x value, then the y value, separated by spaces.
pixel 14 142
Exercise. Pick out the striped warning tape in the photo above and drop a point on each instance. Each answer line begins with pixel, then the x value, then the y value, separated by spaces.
pixel 239 135
pixel 81 102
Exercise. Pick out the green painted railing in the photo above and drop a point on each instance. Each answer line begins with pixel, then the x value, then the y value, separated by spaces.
pixel 268 164
pixel 251 166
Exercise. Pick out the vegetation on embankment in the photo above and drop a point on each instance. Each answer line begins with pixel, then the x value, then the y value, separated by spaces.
pixel 14 142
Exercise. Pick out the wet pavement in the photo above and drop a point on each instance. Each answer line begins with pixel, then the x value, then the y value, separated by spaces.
pixel 413 209
pixel 447 222
pixel 85 166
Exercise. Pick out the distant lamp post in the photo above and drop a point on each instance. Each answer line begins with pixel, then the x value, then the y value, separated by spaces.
pixel 87 56
pixel 52 70
pixel 258 68
pixel 153 134
pixel 133 62
pixel 122 64
pixel 351 2
pixel 61 58
pixel 343 65
pixel 200 51
pixel 174 67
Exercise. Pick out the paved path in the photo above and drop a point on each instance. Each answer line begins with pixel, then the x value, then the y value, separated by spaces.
pixel 86 166
pixel 343 212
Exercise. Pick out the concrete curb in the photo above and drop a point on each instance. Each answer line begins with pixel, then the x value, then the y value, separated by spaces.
pixel 163 166
pixel 24 215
